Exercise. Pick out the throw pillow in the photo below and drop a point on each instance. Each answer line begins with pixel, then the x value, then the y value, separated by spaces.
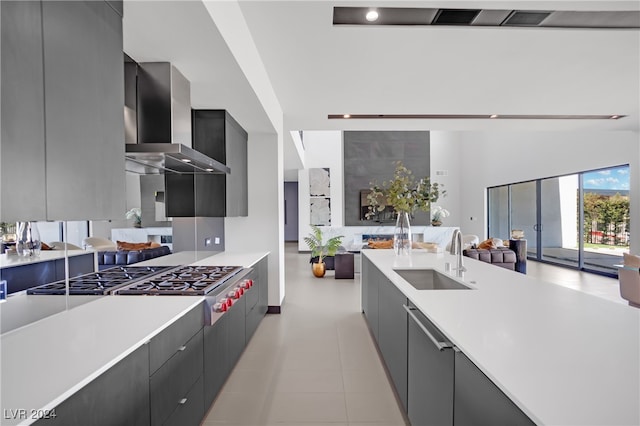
pixel 123 245
pixel 486 244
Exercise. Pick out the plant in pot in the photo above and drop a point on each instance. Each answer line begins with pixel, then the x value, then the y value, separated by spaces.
pixel 321 249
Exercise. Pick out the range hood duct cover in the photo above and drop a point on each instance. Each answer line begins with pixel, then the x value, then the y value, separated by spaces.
pixel 163 114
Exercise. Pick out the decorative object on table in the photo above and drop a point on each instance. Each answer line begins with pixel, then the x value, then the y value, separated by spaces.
pixel 437 214
pixel 28 239
pixel 517 234
pixel 321 249
pixel 135 214
pixel 406 195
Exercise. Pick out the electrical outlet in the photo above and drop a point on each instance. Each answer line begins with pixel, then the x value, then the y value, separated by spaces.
pixel 207 242
pixel 217 240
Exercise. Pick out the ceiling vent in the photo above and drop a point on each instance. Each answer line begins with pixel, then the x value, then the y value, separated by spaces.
pixel 455 16
pixel 522 18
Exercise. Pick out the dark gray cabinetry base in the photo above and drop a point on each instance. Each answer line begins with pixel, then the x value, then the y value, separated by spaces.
pixel 120 396
pixel 382 304
pixel 370 278
pixel 478 401
pixel 216 363
pixel 392 335
pixel 430 378
pixel 171 384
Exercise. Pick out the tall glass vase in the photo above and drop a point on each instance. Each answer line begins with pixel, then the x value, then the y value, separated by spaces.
pixel 28 239
pixel 402 235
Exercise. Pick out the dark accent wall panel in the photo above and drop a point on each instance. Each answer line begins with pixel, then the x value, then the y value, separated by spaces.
pixel 369 156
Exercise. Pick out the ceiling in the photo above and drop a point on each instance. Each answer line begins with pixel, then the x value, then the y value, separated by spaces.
pixel 317 69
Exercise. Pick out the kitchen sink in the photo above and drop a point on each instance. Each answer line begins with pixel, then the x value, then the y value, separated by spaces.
pixel 429 279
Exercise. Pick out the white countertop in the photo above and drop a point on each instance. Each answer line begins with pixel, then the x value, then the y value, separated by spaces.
pixel 563 356
pixel 46 361
pixel 9 260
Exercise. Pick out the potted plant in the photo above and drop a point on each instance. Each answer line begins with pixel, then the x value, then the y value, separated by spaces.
pixel 437 214
pixel 321 249
pixel 135 214
pixel 406 195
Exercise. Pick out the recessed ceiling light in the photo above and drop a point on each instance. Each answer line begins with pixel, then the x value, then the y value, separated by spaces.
pixel 372 15
pixel 615 117
pixel 346 116
pixel 209 170
pixel 186 160
pixel 494 116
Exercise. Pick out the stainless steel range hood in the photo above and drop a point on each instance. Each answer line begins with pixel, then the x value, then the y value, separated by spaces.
pixel 162 134
pixel 150 158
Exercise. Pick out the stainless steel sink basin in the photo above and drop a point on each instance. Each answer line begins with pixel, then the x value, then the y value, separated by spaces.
pixel 429 279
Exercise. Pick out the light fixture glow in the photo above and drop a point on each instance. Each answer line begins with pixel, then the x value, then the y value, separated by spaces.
pixel 615 117
pixel 347 116
pixel 185 160
pixel 494 116
pixel 209 170
pixel 372 15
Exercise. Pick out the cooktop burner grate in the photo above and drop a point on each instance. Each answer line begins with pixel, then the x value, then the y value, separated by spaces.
pixel 185 280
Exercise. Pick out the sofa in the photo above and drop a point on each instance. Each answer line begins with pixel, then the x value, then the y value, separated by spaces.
pixel 499 256
pixel 110 258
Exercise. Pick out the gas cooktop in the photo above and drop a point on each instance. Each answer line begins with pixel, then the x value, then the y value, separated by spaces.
pixel 184 281
pixel 100 283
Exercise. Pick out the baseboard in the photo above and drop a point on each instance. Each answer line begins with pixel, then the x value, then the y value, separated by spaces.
pixel 274 309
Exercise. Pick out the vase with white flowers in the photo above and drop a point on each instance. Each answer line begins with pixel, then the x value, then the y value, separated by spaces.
pixel 437 214
pixel 135 214
pixel 405 194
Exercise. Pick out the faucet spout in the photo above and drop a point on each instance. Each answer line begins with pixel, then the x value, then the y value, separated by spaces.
pixel 455 248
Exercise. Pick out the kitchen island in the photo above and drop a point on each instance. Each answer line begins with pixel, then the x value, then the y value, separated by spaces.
pixel 560 355
pixel 47 362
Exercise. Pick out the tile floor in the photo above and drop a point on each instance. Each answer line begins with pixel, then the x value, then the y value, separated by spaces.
pixel 316 364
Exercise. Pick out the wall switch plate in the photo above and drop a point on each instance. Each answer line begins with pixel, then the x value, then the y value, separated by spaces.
pixel 217 240
pixel 207 242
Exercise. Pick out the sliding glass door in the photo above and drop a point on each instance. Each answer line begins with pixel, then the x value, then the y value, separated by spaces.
pixel 579 220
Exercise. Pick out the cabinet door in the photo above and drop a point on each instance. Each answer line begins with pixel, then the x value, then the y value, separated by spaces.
pixel 392 335
pixel 22 151
pixel 370 278
pixel 237 183
pixel 216 364
pixel 84 101
pixel 119 396
pixel 478 401
pixel 190 410
pixel 236 337
pixel 263 285
pixel 173 381
pixel 430 378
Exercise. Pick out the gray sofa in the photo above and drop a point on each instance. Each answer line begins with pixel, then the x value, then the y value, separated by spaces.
pixel 500 256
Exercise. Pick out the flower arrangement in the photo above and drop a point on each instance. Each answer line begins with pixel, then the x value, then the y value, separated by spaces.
pixel 437 214
pixel 135 214
pixel 404 193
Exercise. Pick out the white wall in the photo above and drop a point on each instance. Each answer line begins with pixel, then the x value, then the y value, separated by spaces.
pixel 498 158
pixel 446 157
pixel 322 149
pixel 263 228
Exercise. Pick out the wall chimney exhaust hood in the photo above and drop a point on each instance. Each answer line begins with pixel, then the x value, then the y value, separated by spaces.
pixel 161 139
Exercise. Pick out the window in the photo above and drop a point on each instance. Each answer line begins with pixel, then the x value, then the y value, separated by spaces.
pixel 579 220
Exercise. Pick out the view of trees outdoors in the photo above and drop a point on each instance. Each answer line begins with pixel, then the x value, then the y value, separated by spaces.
pixel 606 219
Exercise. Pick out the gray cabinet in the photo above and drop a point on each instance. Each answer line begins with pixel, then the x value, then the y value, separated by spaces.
pixel 236 332
pixel 119 396
pixel 257 297
pixel 216 363
pixel 478 401
pixel 22 151
pixel 392 335
pixel 430 373
pixel 62 61
pixel 172 383
pixel 218 135
pixel 84 100
pixel 370 278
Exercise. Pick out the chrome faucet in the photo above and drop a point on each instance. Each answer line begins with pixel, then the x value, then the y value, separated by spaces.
pixel 455 248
